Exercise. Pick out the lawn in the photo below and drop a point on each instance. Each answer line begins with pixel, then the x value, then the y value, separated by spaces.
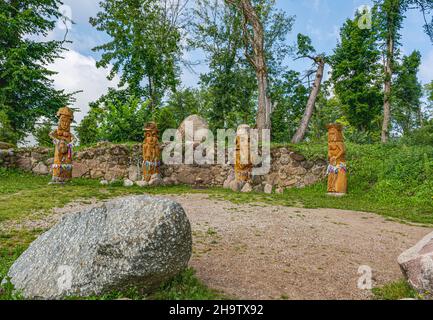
pixel 394 181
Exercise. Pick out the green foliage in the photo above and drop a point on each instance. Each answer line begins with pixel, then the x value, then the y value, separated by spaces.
pixel 41 134
pixel 88 131
pixel 422 136
pixel 356 76
pixel 229 86
pixel 7 133
pixel 186 286
pixel 115 120
pixel 144 48
pixel 26 89
pixel 290 96
pixel 395 291
pixel 305 47
pixel 124 122
pixel 407 94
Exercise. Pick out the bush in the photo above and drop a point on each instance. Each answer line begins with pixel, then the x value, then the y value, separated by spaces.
pixel 420 137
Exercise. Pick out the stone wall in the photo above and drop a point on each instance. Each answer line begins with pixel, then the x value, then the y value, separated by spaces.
pixel 118 162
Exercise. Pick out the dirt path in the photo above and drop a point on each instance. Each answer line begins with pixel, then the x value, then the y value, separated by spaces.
pixel 264 252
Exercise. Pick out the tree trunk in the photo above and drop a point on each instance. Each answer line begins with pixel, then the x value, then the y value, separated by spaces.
pixel 257 59
pixel 388 88
pixel 300 133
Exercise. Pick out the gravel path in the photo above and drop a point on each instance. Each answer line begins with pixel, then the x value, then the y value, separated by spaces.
pixel 271 252
pixel 265 252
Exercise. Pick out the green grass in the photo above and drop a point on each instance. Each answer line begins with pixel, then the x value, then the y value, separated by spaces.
pixel 395 291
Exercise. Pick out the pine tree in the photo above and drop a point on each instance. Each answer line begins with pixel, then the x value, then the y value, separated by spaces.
pixel 356 76
pixel 26 87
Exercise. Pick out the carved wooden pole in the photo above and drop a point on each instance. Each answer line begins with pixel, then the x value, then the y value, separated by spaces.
pixel 151 152
pixel 243 164
pixel 337 170
pixel 63 139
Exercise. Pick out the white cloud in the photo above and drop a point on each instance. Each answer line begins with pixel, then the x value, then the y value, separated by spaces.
pixel 426 69
pixel 78 72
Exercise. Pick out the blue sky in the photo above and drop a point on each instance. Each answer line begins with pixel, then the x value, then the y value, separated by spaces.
pixel 319 19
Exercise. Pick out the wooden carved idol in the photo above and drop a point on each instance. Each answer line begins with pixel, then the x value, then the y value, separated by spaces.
pixel 337 170
pixel 243 164
pixel 63 140
pixel 151 151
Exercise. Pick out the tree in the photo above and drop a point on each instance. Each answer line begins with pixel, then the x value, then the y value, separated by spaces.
pixel 407 94
pixel 88 130
pixel 145 45
pixel 356 76
pixel 41 134
pixel 391 14
pixel 428 89
pixel 26 87
pixel 306 50
pixel 290 96
pixel 229 84
pixel 258 39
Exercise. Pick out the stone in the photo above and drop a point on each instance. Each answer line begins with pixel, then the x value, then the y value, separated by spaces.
pixel 79 170
pixel 128 183
pixel 195 123
pixel 318 170
pixel 417 266
pixel 279 190
pixel 268 188
pixel 285 159
pixel 167 181
pixel 236 186
pixel 247 188
pixel 243 163
pixel 307 164
pixel 297 157
pixel 310 179
pixel 104 182
pixel 290 182
pixel 24 163
pixel 134 173
pixel 41 169
pixel 156 180
pixel 117 173
pixel 134 242
pixel 295 171
pixel 142 184
pixel 258 188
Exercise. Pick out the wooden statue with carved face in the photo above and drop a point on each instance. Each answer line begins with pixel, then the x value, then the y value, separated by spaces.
pixel 63 140
pixel 337 170
pixel 151 151
pixel 243 164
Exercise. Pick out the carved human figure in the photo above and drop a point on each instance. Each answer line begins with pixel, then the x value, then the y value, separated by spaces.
pixel 63 140
pixel 243 164
pixel 337 170
pixel 151 151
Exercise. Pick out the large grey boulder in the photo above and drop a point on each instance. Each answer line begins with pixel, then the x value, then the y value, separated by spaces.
pixel 417 266
pixel 195 123
pixel 133 242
